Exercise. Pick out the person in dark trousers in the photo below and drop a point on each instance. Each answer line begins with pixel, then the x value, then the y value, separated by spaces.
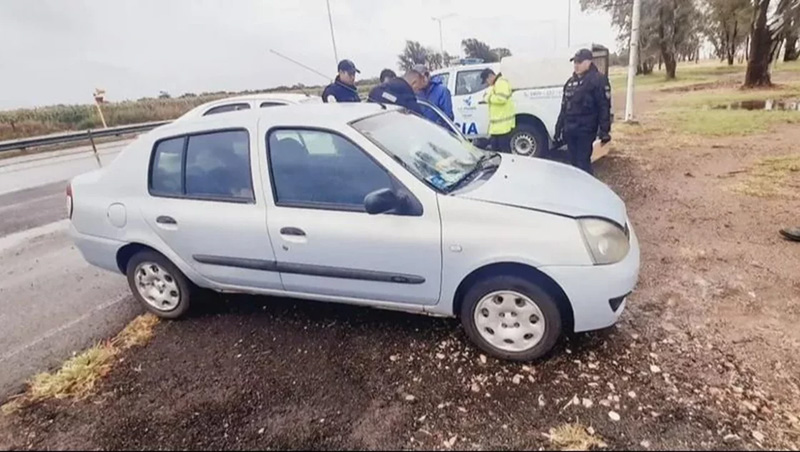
pixel 401 90
pixel 585 111
pixel 386 75
pixel 343 89
pixel 502 112
pixel 791 233
pixel 436 94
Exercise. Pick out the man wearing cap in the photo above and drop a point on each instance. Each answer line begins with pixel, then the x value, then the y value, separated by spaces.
pixel 343 89
pixel 436 94
pixel 502 113
pixel 585 111
pixel 401 90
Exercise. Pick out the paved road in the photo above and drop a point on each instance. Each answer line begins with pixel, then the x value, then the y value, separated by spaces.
pixel 51 302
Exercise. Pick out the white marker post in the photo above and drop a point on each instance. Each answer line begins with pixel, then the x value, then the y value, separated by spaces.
pixel 632 58
pixel 99 98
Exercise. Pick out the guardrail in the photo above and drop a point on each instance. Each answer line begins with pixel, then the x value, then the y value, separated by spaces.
pixel 69 137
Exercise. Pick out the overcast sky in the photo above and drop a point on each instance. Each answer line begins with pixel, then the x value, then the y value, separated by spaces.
pixel 58 51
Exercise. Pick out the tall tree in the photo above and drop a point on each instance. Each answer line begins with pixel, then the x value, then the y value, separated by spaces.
pixel 727 25
pixel 413 53
pixel 766 38
pixel 501 52
pixel 474 48
pixel 666 26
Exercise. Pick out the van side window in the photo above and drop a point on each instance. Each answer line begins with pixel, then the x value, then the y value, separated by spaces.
pixel 468 82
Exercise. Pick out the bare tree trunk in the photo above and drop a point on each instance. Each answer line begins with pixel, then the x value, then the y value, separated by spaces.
pixel 760 49
pixel 791 53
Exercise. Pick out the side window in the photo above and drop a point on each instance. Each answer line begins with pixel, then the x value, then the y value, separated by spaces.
pixel 227 107
pixel 468 82
pixel 314 168
pixel 165 175
pixel 218 165
pixel 271 104
pixel 213 165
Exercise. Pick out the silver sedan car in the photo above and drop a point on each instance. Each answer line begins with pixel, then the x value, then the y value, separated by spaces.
pixel 363 204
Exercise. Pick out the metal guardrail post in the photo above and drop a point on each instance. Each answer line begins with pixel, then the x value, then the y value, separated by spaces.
pixel 94 148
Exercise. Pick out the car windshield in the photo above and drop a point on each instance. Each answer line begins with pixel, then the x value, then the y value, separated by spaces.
pixel 430 152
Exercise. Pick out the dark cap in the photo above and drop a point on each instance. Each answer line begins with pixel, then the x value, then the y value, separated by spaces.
pixel 348 66
pixel 582 55
pixel 420 69
pixel 485 74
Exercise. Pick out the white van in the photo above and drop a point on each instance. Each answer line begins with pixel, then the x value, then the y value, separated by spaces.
pixel 538 84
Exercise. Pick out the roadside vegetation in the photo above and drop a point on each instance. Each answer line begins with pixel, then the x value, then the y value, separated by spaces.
pixel 78 377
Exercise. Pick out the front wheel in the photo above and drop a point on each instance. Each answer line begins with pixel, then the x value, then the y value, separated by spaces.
pixel 529 140
pixel 511 318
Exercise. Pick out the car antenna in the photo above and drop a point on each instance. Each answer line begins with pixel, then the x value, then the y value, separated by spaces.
pixel 328 79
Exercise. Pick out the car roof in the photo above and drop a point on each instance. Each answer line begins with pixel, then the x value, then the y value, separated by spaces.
pixel 292 98
pixel 334 115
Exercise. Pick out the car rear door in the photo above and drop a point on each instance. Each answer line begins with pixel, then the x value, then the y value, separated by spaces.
pixel 326 244
pixel 204 204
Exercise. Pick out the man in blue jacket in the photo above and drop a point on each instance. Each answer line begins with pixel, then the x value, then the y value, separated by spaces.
pixel 436 94
pixel 401 91
pixel 343 89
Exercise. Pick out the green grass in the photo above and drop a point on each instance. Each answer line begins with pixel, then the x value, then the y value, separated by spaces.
pixel 711 98
pixel 687 74
pixel 771 177
pixel 715 123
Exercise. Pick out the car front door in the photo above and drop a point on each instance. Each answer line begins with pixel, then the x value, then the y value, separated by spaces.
pixel 325 241
pixel 471 115
pixel 204 207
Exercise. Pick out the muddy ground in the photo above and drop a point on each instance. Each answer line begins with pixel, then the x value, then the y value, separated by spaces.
pixel 705 357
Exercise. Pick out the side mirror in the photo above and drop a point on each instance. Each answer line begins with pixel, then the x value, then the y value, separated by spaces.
pixel 381 201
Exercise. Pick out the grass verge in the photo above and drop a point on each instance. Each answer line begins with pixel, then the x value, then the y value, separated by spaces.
pixel 772 177
pixel 78 376
pixel 715 123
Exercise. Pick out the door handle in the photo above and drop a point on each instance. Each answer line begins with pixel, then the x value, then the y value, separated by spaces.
pixel 164 219
pixel 294 232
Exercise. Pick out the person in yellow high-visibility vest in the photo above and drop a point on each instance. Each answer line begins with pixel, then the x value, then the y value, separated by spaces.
pixel 501 110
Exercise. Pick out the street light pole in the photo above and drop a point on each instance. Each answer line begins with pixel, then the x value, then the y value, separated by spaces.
pixel 441 41
pixel 632 58
pixel 333 38
pixel 569 24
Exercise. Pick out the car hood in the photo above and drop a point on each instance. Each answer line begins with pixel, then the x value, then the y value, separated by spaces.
pixel 533 183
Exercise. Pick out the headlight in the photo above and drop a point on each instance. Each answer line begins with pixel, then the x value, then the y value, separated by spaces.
pixel 607 243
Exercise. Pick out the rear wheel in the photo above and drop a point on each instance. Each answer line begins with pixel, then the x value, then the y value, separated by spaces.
pixel 158 285
pixel 529 140
pixel 511 318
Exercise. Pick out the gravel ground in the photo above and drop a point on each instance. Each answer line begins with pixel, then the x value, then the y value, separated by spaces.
pixel 704 358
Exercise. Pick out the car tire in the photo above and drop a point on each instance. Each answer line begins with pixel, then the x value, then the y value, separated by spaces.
pixel 159 286
pixel 515 298
pixel 529 140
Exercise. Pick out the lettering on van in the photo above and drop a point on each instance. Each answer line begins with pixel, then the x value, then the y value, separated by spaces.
pixel 468 128
pixel 542 93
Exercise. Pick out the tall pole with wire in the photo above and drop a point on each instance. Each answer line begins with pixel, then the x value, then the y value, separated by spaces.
pixel 569 24
pixel 441 41
pixel 632 59
pixel 333 38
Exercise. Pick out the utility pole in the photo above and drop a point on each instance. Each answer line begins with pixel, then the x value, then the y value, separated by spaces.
pixel 632 58
pixel 441 41
pixel 569 24
pixel 333 38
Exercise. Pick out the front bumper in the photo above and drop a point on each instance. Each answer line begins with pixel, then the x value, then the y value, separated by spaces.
pixel 593 290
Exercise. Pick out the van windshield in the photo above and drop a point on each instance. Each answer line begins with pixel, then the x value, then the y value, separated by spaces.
pixel 434 155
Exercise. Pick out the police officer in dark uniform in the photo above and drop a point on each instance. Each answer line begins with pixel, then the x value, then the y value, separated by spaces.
pixel 402 90
pixel 585 111
pixel 343 89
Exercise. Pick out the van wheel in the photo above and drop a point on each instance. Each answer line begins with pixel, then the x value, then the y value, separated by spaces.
pixel 158 285
pixel 511 318
pixel 529 140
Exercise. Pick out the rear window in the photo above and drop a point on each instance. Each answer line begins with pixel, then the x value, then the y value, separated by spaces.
pixel 271 104
pixel 212 166
pixel 227 107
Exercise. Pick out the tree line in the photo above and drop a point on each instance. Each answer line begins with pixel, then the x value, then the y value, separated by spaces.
pixel 415 53
pixel 675 30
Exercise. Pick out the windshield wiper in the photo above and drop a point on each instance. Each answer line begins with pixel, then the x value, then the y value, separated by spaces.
pixel 481 165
